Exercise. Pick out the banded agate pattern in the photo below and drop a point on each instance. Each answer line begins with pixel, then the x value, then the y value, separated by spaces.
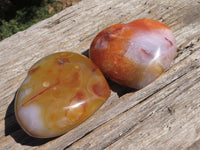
pixel 60 92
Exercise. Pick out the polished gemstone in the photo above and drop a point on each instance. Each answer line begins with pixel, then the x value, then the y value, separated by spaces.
pixel 134 54
pixel 60 92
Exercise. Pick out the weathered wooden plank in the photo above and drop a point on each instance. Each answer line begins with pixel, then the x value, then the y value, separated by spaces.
pixel 143 119
pixel 171 112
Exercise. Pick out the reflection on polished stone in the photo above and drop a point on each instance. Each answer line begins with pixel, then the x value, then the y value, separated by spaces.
pixel 60 92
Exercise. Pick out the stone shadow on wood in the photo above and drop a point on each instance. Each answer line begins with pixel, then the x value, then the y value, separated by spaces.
pixel 119 89
pixel 13 129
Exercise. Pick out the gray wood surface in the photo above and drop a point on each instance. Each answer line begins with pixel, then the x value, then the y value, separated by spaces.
pixel 161 116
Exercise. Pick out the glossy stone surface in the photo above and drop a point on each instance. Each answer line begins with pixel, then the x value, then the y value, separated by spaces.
pixel 134 54
pixel 60 91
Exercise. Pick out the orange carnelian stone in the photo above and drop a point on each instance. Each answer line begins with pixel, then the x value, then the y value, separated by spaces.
pixel 134 54
pixel 60 91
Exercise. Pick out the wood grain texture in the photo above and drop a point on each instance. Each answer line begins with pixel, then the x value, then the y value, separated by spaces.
pixel 163 115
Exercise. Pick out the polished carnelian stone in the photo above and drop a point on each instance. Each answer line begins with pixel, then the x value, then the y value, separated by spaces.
pixel 60 92
pixel 134 54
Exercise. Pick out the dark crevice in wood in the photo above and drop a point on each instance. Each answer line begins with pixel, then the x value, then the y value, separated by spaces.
pixel 13 128
pixel 144 118
pixel 193 67
pixel 87 133
pixel 70 144
pixel 57 21
pixel 120 136
pixel 149 115
pixel 97 14
pixel 190 43
pixel 185 50
pixel 87 37
pixel 10 130
pixel 129 130
pixel 82 137
pixel 91 8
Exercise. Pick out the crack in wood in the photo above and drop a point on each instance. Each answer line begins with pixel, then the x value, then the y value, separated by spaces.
pixel 93 15
pixel 142 101
pixel 171 111
pixel 82 137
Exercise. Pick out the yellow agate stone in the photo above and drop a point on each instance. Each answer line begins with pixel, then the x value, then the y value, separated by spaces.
pixel 60 92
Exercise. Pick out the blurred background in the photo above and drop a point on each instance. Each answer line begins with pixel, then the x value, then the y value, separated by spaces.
pixel 18 15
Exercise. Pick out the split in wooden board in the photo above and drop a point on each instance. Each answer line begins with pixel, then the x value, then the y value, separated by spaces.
pixel 163 115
